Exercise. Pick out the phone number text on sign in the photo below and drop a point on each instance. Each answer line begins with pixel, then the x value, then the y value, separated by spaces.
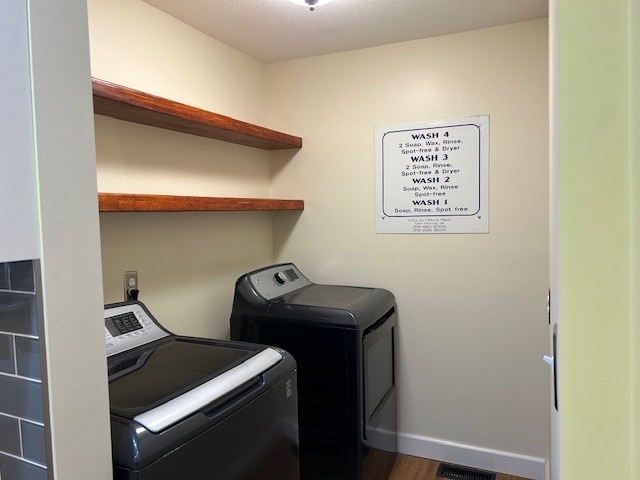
pixel 433 177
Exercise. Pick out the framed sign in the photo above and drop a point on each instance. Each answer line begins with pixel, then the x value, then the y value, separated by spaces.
pixel 433 177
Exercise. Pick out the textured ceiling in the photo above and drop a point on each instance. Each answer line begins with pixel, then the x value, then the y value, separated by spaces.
pixel 276 30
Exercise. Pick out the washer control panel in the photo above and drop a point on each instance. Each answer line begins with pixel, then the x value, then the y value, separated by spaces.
pixel 128 326
pixel 273 282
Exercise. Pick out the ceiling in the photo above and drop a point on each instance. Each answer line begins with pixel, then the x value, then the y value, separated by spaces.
pixel 276 30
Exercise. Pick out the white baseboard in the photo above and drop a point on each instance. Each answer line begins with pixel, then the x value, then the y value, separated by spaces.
pixel 474 457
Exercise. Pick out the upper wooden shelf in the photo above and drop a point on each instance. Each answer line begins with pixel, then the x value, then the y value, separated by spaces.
pixel 134 106
pixel 130 202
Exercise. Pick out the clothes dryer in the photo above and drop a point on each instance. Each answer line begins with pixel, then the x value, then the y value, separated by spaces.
pixel 342 338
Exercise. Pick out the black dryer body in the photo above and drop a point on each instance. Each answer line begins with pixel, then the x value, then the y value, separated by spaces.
pixel 342 338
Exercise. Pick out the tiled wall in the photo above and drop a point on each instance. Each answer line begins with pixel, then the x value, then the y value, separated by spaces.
pixel 22 433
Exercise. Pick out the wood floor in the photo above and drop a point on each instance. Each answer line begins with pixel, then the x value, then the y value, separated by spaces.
pixel 414 468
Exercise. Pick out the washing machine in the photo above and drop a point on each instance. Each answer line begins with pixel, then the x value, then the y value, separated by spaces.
pixel 194 408
pixel 342 338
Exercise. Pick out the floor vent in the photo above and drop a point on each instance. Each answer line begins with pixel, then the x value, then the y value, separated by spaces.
pixel 454 472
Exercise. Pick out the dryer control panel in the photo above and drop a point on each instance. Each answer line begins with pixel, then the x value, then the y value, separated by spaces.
pixel 278 280
pixel 127 326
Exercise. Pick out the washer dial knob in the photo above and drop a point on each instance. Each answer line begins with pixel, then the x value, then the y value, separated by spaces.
pixel 280 278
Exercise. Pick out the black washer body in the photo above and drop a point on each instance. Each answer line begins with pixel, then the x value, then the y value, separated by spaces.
pixel 249 433
pixel 342 338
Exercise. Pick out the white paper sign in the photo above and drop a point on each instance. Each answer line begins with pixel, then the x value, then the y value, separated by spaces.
pixel 433 177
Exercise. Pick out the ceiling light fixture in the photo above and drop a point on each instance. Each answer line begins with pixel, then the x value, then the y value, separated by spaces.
pixel 312 4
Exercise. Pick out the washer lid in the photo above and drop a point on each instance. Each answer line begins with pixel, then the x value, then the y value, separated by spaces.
pixel 151 378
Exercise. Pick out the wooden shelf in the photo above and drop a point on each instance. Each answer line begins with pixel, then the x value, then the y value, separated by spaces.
pixel 134 106
pixel 126 202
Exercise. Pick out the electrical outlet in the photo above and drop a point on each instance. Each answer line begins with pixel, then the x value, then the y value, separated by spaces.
pixel 130 284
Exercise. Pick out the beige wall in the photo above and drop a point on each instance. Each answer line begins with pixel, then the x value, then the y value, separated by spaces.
pixel 136 45
pixel 187 262
pixel 472 308
pixel 73 334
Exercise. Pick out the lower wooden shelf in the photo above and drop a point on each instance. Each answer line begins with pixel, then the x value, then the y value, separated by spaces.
pixel 130 202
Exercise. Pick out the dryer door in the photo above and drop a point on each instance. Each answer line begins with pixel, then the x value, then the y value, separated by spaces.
pixel 379 377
